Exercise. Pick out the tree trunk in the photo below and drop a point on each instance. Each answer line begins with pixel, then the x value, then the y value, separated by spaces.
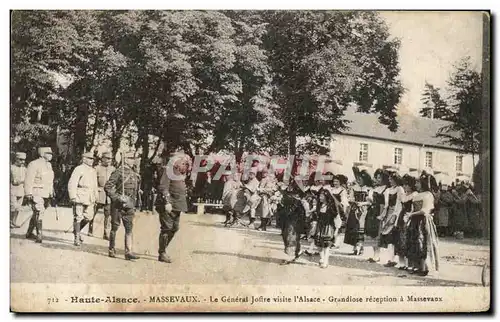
pixel 90 144
pixel 82 117
pixel 292 142
pixel 115 142
pixel 144 141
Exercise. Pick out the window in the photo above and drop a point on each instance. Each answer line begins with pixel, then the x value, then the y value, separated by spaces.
pixel 459 163
pixel 428 159
pixel 398 155
pixel 363 152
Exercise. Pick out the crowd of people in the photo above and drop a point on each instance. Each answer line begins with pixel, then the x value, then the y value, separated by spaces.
pixel 115 190
pixel 404 215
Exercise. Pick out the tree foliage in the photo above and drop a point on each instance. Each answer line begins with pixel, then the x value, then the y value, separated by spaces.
pixel 203 81
pixel 324 60
pixel 434 105
pixel 465 109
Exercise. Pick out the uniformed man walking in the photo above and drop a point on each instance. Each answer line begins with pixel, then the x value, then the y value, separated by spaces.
pixel 82 191
pixel 254 199
pixel 170 203
pixel 123 187
pixel 38 189
pixel 266 189
pixel 104 171
pixel 17 175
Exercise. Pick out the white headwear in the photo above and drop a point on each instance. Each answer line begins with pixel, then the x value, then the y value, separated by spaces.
pixel 43 150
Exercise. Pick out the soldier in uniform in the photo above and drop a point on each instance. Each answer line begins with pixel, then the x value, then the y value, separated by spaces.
pixel 104 171
pixel 39 189
pixel 254 199
pixel 82 191
pixel 266 189
pixel 170 203
pixel 123 187
pixel 17 175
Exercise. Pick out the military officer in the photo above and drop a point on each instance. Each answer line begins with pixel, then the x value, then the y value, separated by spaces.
pixel 266 189
pixel 82 191
pixel 39 189
pixel 123 187
pixel 254 199
pixel 17 175
pixel 171 201
pixel 104 171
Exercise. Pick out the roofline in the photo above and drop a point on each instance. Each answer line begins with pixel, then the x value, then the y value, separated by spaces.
pixel 401 141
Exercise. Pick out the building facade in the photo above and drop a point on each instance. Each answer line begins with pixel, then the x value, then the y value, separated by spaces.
pixel 413 147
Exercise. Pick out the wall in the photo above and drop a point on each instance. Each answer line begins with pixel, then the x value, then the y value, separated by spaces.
pixel 380 153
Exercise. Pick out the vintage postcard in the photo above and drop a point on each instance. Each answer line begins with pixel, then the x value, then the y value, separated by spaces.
pixel 249 161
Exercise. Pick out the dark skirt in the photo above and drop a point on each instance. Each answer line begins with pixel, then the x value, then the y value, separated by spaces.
pixel 401 230
pixel 354 230
pixel 372 223
pixel 416 239
pixel 325 236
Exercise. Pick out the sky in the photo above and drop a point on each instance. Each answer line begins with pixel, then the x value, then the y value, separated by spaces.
pixel 431 42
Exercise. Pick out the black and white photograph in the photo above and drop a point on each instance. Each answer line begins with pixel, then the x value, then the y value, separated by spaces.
pixel 249 161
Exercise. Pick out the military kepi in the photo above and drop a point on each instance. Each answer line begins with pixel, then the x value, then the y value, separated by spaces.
pixel 106 155
pixel 21 155
pixel 88 155
pixel 42 151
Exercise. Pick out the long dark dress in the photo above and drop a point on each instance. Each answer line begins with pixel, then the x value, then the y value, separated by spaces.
pixel 372 223
pixel 422 237
pixel 401 228
pixel 325 236
pixel 355 226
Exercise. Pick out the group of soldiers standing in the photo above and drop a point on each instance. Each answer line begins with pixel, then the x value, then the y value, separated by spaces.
pixel 114 190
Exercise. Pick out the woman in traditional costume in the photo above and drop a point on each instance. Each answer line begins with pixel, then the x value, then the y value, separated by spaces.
pixel 311 199
pixel 389 236
pixel 327 210
pixel 401 228
pixel 340 194
pixel 377 211
pixel 422 238
pixel 360 199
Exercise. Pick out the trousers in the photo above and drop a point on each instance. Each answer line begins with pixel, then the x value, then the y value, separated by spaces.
pixel 117 217
pixel 81 211
pixel 39 205
pixel 107 216
pixel 169 225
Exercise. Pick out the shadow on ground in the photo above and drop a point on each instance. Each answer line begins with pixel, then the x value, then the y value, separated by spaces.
pixel 51 242
pixel 273 240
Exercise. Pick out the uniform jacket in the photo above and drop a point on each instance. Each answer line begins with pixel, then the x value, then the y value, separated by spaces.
pixel 103 174
pixel 266 189
pixel 267 186
pixel 39 181
pixel 172 191
pixel 131 182
pixel 17 176
pixel 82 185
